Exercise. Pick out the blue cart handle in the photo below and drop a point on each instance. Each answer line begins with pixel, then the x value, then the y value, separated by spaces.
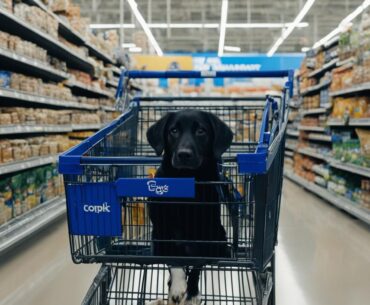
pixel 127 74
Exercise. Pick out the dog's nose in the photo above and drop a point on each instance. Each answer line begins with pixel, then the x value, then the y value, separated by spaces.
pixel 185 154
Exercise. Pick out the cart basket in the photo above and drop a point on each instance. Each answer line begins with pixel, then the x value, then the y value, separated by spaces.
pixel 111 187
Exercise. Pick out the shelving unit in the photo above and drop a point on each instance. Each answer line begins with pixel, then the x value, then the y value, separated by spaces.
pixel 21 129
pixel 315 88
pixel 9 95
pixel 16 26
pixel 18 229
pixel 352 91
pixel 339 201
pixel 31 66
pixel 13 167
pixel 88 90
pixel 320 132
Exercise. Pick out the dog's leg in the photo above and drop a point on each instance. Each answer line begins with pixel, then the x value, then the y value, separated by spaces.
pixel 193 296
pixel 176 286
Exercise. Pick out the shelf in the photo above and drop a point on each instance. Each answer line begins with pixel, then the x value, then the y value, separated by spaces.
pixel 352 91
pixel 339 201
pixel 336 122
pixel 351 122
pixel 109 108
pixel 77 127
pixel 359 122
pixel 324 68
pixel 17 166
pixel 289 153
pixel 10 95
pixel 112 83
pixel 94 51
pixel 347 62
pixel 319 137
pixel 20 129
pixel 85 89
pixel 72 35
pixel 23 226
pixel 352 168
pixel 312 128
pixel 292 133
pixel 311 153
pixel 290 146
pixel 116 70
pixel 31 66
pixel 316 88
pixel 14 25
pixel 314 111
pixel 331 42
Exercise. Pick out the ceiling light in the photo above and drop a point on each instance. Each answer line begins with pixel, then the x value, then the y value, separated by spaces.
pixel 263 25
pixel 198 25
pixel 145 27
pixel 291 27
pixel 221 42
pixel 232 49
pixel 135 49
pixel 128 45
pixel 112 26
pixel 342 25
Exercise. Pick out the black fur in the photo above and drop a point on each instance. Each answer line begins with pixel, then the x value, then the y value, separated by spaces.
pixel 193 142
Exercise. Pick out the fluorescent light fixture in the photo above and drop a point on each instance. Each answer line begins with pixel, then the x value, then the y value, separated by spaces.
pixel 291 27
pixel 112 26
pixel 128 45
pixel 135 49
pixel 263 25
pixel 145 27
pixel 232 49
pixel 305 49
pixel 221 42
pixel 198 25
pixel 342 25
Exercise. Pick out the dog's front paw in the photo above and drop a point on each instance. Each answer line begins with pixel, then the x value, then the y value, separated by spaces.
pixel 177 287
pixel 193 300
pixel 155 302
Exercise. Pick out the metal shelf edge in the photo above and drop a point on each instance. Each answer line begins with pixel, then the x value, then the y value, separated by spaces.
pixel 339 201
pixel 23 226
pixel 27 97
pixel 352 168
pixel 34 63
pixel 17 166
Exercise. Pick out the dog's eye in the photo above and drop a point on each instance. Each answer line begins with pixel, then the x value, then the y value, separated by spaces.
pixel 200 132
pixel 174 131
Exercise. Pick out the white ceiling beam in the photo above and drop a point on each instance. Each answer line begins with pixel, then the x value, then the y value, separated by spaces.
pixel 145 27
pixel 221 43
pixel 199 25
pixel 291 27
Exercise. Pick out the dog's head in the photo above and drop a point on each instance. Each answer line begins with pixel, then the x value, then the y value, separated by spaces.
pixel 189 137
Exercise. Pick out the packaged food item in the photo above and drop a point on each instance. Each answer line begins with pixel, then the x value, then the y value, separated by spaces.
pixel 364 137
pixel 17 185
pixel 5 79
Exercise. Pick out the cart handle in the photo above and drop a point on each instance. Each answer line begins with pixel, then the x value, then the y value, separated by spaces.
pixel 127 74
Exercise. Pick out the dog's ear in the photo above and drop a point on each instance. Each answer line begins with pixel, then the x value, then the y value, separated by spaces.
pixel 156 134
pixel 223 135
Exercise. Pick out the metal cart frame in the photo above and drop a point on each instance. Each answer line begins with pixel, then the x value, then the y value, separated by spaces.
pixel 107 166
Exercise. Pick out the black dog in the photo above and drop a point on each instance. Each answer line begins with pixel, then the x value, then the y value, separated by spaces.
pixel 193 142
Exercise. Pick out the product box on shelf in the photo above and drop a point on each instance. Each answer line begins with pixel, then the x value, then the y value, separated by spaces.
pixel 26 190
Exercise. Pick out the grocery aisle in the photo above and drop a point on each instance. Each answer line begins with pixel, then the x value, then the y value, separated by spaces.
pixel 322 252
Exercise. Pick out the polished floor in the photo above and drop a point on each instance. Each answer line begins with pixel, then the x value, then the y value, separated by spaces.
pixel 323 258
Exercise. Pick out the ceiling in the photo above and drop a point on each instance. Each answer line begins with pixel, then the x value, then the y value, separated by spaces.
pixel 323 17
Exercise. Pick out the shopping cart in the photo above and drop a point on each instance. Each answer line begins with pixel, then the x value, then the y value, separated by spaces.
pixel 106 182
